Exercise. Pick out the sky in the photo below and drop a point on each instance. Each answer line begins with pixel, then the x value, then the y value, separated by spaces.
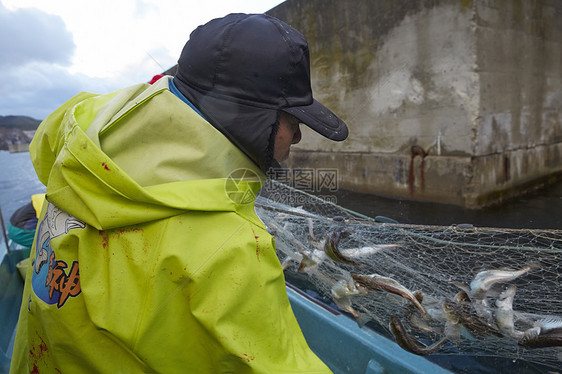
pixel 54 49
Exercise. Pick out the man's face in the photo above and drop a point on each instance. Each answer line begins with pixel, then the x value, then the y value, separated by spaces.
pixel 289 133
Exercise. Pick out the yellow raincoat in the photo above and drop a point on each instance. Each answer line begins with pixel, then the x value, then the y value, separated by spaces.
pixel 149 257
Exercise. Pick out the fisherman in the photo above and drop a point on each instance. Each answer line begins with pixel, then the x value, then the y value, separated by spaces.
pixel 23 222
pixel 149 255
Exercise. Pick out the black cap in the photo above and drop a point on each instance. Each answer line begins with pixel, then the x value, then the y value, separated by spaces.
pixel 244 68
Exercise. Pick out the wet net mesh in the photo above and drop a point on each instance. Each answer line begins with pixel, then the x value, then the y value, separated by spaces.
pixel 462 276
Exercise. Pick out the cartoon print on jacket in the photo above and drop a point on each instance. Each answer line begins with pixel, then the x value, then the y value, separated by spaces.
pixel 54 281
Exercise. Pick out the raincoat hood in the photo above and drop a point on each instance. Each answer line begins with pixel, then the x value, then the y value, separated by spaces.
pixel 133 180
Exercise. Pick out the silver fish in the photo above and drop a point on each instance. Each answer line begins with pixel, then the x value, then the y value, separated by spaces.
pixel 331 247
pixel 435 314
pixel 311 229
pixel 310 259
pixel 549 324
pixel 485 280
pixel 432 305
pixel 379 283
pixel 341 294
pixel 452 330
pixel 462 311
pixel 367 250
pixel 407 342
pixel 504 313
pixel 546 333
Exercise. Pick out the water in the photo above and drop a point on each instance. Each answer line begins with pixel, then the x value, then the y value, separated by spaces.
pixel 541 209
pixel 18 182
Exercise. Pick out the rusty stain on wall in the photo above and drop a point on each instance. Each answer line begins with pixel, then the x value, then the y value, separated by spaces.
pixel 415 151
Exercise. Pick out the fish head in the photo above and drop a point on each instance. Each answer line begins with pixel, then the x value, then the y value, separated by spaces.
pixel 462 297
pixel 341 289
pixel 395 325
pixel 450 308
pixel 418 295
pixel 339 233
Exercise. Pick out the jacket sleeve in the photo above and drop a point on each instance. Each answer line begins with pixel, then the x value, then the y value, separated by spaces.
pixel 255 311
pixel 228 313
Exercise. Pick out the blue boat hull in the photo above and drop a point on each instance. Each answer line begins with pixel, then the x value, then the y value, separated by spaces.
pixel 10 302
pixel 346 348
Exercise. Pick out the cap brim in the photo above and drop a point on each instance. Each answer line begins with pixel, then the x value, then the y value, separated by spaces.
pixel 320 119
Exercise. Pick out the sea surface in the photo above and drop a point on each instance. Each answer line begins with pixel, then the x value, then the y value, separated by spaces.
pixel 540 209
pixel 18 182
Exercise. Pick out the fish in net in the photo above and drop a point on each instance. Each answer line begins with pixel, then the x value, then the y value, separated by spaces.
pixel 447 290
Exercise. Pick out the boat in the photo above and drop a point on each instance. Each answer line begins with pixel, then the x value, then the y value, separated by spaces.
pixel 347 348
pixel 10 300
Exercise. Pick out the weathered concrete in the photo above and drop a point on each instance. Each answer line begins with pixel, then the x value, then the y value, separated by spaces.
pixel 451 101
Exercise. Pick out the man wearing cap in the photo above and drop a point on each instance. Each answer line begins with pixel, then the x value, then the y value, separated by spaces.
pixel 148 255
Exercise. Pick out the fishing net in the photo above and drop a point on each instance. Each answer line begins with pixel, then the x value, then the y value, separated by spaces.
pixel 512 309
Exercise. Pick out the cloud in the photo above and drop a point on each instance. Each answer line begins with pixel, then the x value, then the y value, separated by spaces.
pixel 98 47
pixel 33 64
pixel 29 35
pixel 144 9
pixel 38 88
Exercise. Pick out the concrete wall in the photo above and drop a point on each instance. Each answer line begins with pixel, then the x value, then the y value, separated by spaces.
pixel 451 101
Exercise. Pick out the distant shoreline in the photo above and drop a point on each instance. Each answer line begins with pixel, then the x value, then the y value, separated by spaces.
pixel 15 140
